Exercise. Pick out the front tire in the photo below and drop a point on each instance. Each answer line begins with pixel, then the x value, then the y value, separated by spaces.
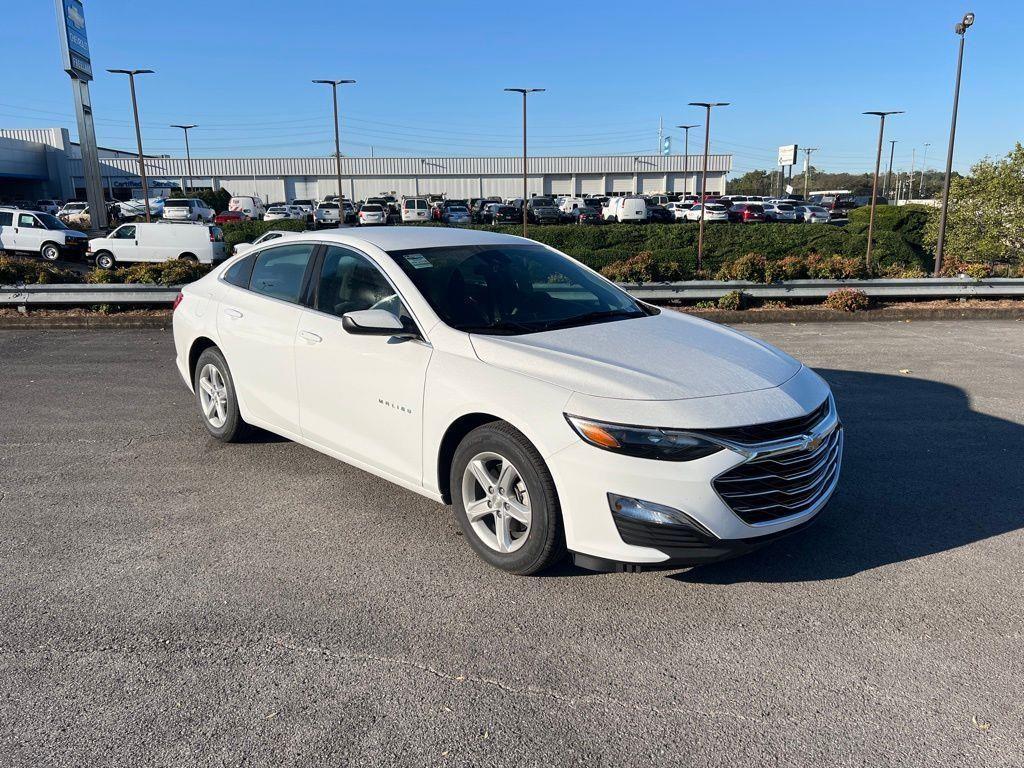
pixel 105 260
pixel 50 252
pixel 216 397
pixel 505 500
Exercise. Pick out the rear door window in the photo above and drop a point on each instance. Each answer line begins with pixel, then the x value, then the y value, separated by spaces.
pixel 278 272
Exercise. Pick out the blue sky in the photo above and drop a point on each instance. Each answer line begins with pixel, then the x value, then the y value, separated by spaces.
pixel 430 76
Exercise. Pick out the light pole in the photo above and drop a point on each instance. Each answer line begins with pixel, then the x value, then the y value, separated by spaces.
pixel 960 29
pixel 188 154
pixel 707 105
pixel 888 174
pixel 337 139
pixel 686 152
pixel 874 183
pixel 807 167
pixel 924 167
pixel 138 131
pixel 525 91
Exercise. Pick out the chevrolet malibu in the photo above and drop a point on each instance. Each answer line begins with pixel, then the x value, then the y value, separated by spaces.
pixel 548 407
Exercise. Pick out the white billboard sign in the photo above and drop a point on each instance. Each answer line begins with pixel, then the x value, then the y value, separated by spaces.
pixel 787 154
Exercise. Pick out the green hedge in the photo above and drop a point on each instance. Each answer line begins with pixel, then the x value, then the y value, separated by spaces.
pixel 18 271
pixel 599 246
pixel 236 232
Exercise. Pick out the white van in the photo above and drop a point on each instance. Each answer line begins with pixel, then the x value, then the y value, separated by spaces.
pixel 159 242
pixel 40 233
pixel 250 205
pixel 415 209
pixel 569 204
pixel 625 209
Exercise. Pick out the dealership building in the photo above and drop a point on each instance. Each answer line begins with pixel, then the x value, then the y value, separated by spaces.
pixel 42 163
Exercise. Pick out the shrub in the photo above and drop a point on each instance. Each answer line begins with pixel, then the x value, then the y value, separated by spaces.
pixel 177 272
pixel 750 267
pixel 847 300
pixel 14 271
pixel 774 304
pixel 706 304
pixel 643 268
pixel 734 300
pixel 791 268
pixel 835 267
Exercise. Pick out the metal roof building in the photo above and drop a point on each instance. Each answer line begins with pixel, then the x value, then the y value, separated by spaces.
pixel 287 178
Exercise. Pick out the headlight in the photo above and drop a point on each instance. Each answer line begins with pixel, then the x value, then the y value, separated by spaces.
pixel 643 442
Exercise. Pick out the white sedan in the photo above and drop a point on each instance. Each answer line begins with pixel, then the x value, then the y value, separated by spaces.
pixel 712 212
pixel 678 210
pixel 282 212
pixel 553 411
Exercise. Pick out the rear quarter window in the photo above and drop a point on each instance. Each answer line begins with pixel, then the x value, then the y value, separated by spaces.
pixel 240 272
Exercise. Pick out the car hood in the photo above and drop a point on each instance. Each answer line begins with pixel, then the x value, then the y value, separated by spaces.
pixel 669 356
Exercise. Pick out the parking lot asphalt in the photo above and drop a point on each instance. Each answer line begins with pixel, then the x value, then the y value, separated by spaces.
pixel 169 600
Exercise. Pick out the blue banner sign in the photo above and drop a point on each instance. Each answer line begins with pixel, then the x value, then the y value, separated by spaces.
pixel 73 38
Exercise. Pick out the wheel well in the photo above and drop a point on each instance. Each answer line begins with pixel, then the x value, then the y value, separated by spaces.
pixel 188 256
pixel 50 242
pixel 200 345
pixel 457 430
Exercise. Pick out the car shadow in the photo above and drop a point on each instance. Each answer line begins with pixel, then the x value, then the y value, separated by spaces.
pixel 922 474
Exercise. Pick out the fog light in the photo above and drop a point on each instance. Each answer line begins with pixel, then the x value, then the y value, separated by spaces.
pixel 649 512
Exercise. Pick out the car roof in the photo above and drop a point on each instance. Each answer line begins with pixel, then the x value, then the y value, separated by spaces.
pixel 402 238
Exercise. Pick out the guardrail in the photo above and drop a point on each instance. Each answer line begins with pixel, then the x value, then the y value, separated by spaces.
pixel 924 288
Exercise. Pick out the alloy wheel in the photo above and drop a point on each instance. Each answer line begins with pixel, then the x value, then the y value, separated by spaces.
pixel 497 502
pixel 213 396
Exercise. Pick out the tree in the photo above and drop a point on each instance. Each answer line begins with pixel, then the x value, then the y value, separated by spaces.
pixel 985 220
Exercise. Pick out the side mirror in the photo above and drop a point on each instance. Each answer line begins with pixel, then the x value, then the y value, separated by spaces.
pixel 375 322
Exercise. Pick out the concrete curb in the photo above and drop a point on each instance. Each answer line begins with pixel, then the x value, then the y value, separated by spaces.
pixel 807 315
pixel 821 315
pixel 85 322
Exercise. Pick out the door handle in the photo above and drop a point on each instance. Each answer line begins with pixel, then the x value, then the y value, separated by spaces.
pixel 232 313
pixel 309 336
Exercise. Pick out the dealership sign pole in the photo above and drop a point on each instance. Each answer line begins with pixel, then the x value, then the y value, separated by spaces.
pixel 74 46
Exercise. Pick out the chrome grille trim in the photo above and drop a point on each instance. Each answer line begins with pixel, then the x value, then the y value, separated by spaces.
pixel 787 479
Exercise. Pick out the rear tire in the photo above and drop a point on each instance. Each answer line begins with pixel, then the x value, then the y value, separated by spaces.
pixel 502 478
pixel 216 397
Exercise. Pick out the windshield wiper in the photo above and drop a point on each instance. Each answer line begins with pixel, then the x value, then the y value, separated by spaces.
pixel 592 317
pixel 504 328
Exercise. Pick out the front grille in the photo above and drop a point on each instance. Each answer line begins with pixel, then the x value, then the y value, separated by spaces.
pixel 773 430
pixel 768 489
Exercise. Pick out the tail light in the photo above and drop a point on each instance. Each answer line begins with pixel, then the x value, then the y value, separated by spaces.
pixel 177 300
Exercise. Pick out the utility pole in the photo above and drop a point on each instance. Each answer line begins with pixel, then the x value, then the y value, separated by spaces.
pixel 686 152
pixel 138 131
pixel 910 180
pixel 888 175
pixel 707 105
pixel 924 167
pixel 525 91
pixel 807 167
pixel 661 134
pixel 337 139
pixel 188 154
pixel 961 30
pixel 874 183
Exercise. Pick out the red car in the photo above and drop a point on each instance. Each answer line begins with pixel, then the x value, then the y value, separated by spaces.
pixel 746 212
pixel 229 216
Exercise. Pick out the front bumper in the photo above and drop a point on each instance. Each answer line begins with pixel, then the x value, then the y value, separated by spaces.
pixel 585 475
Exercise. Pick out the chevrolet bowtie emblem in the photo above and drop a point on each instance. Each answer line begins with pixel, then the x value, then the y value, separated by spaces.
pixel 813 443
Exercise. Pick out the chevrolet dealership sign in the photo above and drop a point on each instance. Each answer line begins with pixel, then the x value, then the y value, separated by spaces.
pixel 74 43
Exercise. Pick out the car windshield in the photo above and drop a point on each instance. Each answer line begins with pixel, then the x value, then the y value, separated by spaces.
pixel 176 204
pixel 512 289
pixel 784 207
pixel 457 209
pixel 51 222
pixel 328 206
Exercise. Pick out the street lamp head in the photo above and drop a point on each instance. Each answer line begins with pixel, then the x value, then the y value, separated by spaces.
pixel 709 104
pixel 130 71
pixel 334 82
pixel 885 114
pixel 184 127
pixel 684 127
pixel 524 91
pixel 968 19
